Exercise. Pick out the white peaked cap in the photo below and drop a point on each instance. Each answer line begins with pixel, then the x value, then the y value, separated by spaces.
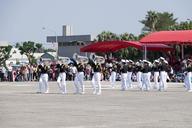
pixel 165 62
pixel 156 61
pixel 162 58
pixel 145 61
pixel 131 61
pixel 127 61
pixel 123 61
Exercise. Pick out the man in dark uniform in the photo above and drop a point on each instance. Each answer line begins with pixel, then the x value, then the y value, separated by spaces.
pixel 156 70
pixel 163 66
pixel 145 75
pixel 189 75
pixel 96 79
pixel 113 75
pixel 138 72
pixel 61 79
pixel 79 78
pixel 43 80
pixel 124 70
pixel 129 73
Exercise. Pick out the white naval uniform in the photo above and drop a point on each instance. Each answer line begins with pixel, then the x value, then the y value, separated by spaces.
pixel 129 80
pixel 79 86
pixel 188 81
pixel 156 76
pixel 43 80
pixel 163 81
pixel 43 83
pixel 145 81
pixel 124 70
pixel 139 79
pixel 146 78
pixel 96 83
pixel 123 81
pixel 113 78
pixel 61 81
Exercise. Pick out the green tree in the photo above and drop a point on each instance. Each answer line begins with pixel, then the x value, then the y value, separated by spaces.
pixel 130 52
pixel 28 48
pixel 185 25
pixel 107 36
pixel 157 21
pixel 150 21
pixel 165 21
pixel 5 54
pixel 39 48
pixel 127 36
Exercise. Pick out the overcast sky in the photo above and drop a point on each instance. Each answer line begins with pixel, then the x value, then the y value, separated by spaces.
pixel 22 20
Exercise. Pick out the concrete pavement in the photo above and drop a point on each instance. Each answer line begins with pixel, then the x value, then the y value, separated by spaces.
pixel 21 107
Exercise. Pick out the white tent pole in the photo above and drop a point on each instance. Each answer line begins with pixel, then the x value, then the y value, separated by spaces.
pixel 182 51
pixel 145 54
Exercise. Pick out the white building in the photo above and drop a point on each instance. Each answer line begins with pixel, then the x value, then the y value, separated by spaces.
pixel 16 57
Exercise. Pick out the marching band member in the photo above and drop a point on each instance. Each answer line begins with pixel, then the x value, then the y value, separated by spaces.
pixel 97 61
pixel 61 80
pixel 124 70
pixel 43 80
pixel 185 73
pixel 113 75
pixel 189 75
pixel 155 69
pixel 138 67
pixel 79 86
pixel 96 79
pixel 145 76
pixel 129 74
pixel 79 77
pixel 163 74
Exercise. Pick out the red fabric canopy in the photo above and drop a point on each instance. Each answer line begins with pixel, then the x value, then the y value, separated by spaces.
pixel 169 37
pixel 112 46
pixel 156 47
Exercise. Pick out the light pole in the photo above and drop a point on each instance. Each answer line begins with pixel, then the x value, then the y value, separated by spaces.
pixel 56 41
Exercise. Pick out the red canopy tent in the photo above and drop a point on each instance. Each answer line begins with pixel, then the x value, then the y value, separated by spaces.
pixel 169 37
pixel 112 46
pixel 108 46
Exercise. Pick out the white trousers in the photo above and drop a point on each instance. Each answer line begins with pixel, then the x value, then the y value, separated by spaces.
pixel 188 81
pixel 185 82
pixel 129 81
pixel 43 83
pixel 139 80
pixel 156 76
pixel 61 81
pixel 96 83
pixel 163 81
pixel 113 78
pixel 145 81
pixel 124 81
pixel 79 86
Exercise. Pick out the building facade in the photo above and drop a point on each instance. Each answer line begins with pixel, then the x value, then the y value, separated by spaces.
pixel 69 44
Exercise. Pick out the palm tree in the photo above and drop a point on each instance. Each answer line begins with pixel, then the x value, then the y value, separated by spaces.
pixel 165 21
pixel 150 21
pixel 107 36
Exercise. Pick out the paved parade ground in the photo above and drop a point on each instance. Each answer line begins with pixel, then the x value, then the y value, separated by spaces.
pixel 21 107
